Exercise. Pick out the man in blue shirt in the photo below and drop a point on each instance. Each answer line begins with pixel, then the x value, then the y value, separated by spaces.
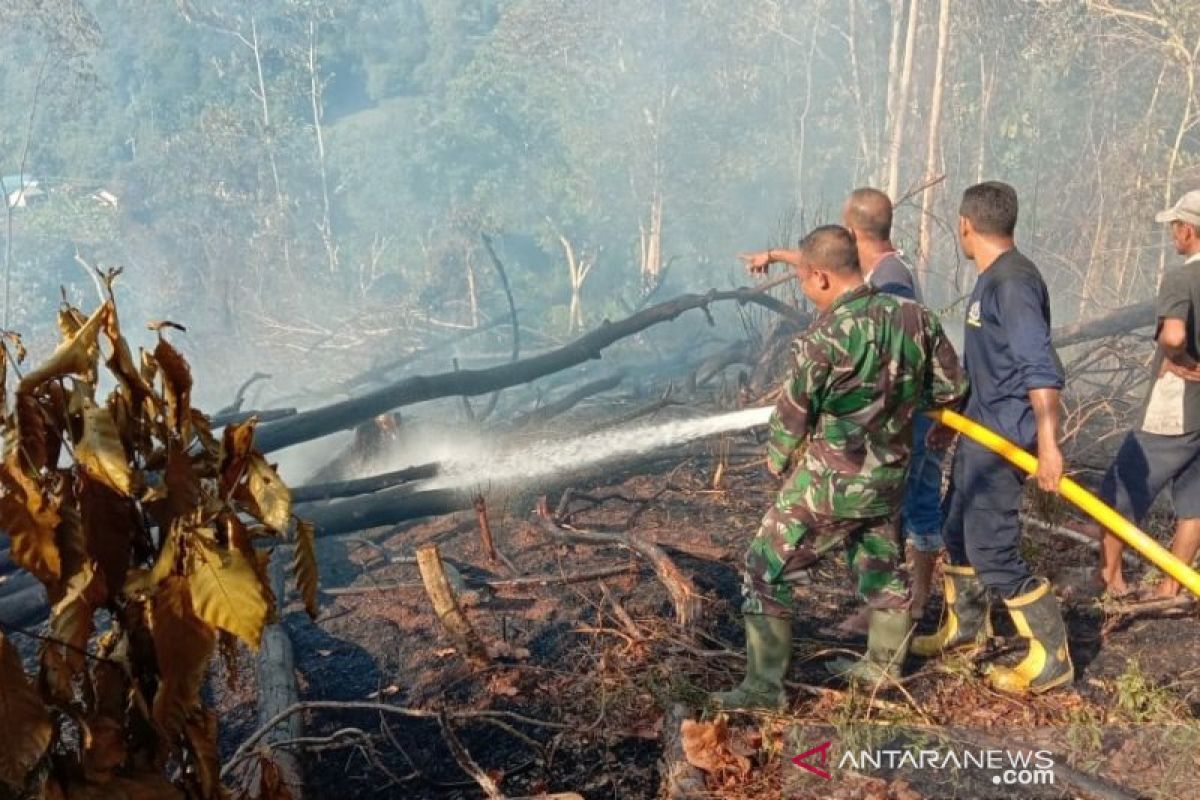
pixel 1015 383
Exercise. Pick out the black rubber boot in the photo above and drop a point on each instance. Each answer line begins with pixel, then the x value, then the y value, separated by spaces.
pixel 964 615
pixel 1047 664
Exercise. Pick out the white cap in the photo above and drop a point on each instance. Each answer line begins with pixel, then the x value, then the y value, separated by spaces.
pixel 1186 210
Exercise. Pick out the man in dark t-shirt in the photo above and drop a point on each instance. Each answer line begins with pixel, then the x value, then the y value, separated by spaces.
pixel 1165 447
pixel 1015 383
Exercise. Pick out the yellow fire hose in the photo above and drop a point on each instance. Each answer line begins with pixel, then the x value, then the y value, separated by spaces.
pixel 1125 530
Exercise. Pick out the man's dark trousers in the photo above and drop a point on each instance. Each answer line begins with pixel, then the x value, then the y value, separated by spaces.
pixel 981 523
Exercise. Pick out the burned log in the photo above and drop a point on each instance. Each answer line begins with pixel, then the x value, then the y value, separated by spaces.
pixel 277 690
pixel 339 416
pixel 1123 320
pixel 224 418
pixel 360 486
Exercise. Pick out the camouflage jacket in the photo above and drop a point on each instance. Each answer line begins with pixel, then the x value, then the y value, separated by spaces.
pixel 863 369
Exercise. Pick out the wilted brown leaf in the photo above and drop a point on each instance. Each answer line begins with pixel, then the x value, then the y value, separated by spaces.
pixel 177 387
pixel 99 450
pixel 31 433
pixel 266 496
pixel 226 589
pixel 179 493
pixel 706 745
pixel 183 645
pixel 103 748
pixel 64 652
pixel 266 781
pixel 121 365
pixel 27 728
pixel 30 517
pixel 77 355
pixel 304 565
pixel 237 444
pixel 110 522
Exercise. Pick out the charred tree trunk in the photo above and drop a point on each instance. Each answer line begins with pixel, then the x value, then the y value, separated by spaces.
pixel 346 414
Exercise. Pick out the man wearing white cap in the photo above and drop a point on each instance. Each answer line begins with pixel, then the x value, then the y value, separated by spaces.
pixel 1165 447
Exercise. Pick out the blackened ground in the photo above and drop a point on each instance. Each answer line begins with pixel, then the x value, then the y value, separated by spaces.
pixel 601 691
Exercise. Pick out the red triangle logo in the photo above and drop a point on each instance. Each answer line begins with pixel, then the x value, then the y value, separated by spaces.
pixel 823 750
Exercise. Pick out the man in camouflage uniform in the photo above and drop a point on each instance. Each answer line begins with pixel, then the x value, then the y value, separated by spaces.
pixel 841 433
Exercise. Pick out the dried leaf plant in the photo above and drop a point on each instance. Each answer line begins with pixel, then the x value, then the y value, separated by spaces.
pixel 142 527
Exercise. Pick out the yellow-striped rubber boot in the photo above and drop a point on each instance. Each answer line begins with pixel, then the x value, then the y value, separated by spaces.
pixel 1047 664
pixel 965 620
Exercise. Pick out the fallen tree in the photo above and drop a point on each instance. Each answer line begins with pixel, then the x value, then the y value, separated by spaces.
pixel 469 383
pixel 1123 320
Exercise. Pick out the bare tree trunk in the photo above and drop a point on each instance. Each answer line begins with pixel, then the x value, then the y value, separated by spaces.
pixel 280 206
pixel 987 82
pixel 1186 122
pixel 1123 279
pixel 893 67
pixel 932 149
pixel 864 149
pixel 314 94
pixel 901 101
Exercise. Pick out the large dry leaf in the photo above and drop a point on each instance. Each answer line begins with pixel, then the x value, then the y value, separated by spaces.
pixel 120 364
pixel 707 745
pixel 177 387
pixel 266 496
pixel 27 728
pixel 30 516
pixel 64 653
pixel 110 523
pixel 103 747
pixel 77 355
pixel 304 565
pixel 227 591
pixel 31 433
pixel 183 645
pixel 99 450
pixel 237 444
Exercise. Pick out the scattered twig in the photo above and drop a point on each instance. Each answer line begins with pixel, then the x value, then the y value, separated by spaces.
pixel 678 585
pixel 467 763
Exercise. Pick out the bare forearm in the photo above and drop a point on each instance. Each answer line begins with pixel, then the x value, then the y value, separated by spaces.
pixel 1045 411
pixel 1179 356
pixel 777 255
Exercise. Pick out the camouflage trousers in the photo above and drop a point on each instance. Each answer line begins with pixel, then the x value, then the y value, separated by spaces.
pixel 793 538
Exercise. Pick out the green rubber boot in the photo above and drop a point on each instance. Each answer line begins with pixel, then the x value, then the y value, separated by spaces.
pixel 887 645
pixel 768 655
pixel 965 615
